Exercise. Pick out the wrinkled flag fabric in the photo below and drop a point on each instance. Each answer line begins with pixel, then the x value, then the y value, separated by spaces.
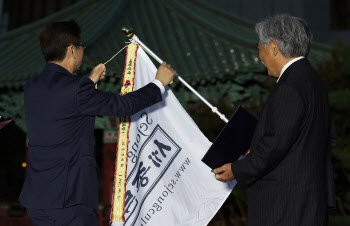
pixel 166 182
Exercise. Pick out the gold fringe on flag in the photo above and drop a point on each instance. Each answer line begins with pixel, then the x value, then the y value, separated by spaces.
pixel 118 198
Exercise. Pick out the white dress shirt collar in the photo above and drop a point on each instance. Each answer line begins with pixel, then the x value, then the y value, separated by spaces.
pixel 287 65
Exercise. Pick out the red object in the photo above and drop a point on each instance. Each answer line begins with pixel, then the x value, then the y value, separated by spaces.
pixel 108 165
pixel 108 176
pixel 3 124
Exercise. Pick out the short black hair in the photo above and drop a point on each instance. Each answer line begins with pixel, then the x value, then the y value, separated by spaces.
pixel 55 37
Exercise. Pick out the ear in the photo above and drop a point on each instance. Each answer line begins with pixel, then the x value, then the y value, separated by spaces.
pixel 73 50
pixel 274 47
pixel 69 52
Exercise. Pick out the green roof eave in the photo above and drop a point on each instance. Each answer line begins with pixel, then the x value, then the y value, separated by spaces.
pixel 200 41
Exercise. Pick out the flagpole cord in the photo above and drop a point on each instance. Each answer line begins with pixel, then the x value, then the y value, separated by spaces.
pixel 135 39
pixel 114 55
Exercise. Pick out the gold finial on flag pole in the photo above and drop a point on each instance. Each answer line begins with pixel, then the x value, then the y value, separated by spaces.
pixel 128 31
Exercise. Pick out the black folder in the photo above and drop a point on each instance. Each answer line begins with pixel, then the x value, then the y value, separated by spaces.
pixel 233 141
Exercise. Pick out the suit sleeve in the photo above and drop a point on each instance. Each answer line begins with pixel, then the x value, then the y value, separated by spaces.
pixel 285 113
pixel 91 101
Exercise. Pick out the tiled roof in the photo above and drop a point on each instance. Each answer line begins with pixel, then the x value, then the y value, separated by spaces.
pixel 201 42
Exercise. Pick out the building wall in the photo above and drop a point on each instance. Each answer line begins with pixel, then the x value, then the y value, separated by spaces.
pixel 317 13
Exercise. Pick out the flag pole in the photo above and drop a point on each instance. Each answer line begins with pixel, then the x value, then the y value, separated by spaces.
pixel 128 32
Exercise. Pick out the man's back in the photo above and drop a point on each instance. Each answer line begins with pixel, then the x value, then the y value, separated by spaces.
pixel 310 139
pixel 293 188
pixel 60 112
pixel 60 143
pixel 50 105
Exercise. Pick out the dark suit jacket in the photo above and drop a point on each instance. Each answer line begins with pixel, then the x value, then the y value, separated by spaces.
pixel 60 110
pixel 286 170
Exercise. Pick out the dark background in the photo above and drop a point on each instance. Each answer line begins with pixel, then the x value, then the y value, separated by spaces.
pixel 329 20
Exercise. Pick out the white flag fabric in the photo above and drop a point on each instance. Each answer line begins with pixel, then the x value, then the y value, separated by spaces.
pixel 166 182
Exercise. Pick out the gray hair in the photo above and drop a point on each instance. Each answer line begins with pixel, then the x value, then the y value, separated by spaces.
pixel 291 34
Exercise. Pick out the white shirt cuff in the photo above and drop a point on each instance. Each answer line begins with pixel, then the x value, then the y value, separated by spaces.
pixel 160 85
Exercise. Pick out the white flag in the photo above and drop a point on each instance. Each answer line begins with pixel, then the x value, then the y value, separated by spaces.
pixel 166 182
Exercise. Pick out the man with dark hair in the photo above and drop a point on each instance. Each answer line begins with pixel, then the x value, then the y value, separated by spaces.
pixel 289 160
pixel 57 35
pixel 60 109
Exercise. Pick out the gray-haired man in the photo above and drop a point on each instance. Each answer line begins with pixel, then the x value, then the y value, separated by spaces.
pixel 286 169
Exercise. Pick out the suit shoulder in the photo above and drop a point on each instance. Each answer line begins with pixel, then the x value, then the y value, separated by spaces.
pixel 84 82
pixel 287 89
pixel 301 75
pixel 68 82
pixel 301 69
pixel 30 81
pixel 83 78
pixel 27 83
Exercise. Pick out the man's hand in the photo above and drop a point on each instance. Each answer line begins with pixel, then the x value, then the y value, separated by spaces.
pixel 247 152
pixel 165 73
pixel 224 173
pixel 98 73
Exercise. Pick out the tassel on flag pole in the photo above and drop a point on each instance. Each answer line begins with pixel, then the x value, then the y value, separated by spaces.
pixel 129 33
pixel 119 193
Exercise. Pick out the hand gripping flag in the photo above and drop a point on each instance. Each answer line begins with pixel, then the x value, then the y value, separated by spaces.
pixel 165 182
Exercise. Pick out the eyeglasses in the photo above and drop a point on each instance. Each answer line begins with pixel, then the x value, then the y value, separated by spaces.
pixel 82 45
